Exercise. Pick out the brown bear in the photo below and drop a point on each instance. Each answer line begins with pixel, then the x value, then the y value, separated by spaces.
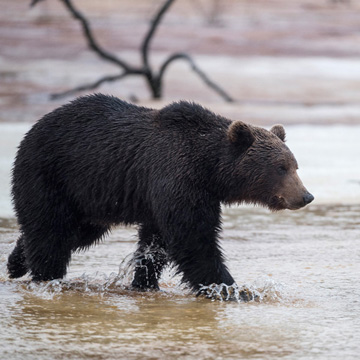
pixel 99 161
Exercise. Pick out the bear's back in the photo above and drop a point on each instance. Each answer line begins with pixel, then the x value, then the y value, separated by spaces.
pixel 97 108
pixel 187 116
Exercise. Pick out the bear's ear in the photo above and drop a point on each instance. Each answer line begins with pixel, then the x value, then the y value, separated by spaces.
pixel 279 131
pixel 240 135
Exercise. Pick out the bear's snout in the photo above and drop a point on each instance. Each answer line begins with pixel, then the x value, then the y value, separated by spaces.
pixel 294 194
pixel 295 203
pixel 308 198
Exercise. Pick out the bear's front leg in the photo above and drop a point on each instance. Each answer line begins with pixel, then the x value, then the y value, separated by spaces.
pixel 202 265
pixel 193 245
pixel 149 259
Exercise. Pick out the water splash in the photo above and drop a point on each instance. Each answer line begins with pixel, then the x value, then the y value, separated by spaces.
pixel 100 283
pixel 46 290
pixel 269 290
pixel 263 290
pixel 223 292
pixel 119 283
pixel 97 283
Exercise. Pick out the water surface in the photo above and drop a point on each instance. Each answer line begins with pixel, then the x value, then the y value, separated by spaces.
pixel 304 264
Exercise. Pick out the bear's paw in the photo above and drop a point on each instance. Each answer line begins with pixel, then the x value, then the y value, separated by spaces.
pixel 223 292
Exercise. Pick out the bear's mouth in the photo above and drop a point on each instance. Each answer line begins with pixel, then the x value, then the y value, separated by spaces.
pixel 278 203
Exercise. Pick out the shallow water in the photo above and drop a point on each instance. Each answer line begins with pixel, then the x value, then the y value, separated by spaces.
pixel 304 264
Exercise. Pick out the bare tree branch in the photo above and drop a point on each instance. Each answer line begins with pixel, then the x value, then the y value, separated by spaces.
pixel 154 24
pixel 91 40
pixel 154 80
pixel 34 2
pixel 91 86
pixel 197 70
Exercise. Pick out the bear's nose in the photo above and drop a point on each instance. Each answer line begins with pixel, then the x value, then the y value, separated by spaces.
pixel 308 198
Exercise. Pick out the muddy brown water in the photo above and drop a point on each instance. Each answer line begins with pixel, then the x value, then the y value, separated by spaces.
pixel 305 266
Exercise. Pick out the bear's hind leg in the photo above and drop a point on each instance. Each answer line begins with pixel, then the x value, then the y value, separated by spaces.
pixel 49 241
pixel 150 259
pixel 48 259
pixel 16 262
pixel 48 256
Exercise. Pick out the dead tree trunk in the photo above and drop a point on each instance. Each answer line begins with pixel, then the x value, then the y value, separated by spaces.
pixel 154 78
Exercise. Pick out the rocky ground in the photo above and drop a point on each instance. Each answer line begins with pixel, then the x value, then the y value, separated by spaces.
pixel 282 61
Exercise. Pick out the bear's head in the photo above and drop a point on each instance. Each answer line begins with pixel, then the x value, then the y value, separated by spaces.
pixel 264 170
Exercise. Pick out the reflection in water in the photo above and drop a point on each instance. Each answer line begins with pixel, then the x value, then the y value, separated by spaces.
pixel 304 264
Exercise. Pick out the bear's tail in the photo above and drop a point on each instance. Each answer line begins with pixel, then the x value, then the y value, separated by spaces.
pixel 16 262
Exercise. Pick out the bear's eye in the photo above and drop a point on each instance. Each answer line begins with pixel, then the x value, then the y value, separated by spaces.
pixel 282 170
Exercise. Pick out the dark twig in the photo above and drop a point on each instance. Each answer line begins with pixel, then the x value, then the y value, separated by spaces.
pixel 91 40
pixel 34 2
pixel 91 86
pixel 197 70
pixel 154 80
pixel 154 24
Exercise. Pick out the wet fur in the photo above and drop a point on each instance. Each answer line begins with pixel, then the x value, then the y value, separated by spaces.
pixel 100 161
